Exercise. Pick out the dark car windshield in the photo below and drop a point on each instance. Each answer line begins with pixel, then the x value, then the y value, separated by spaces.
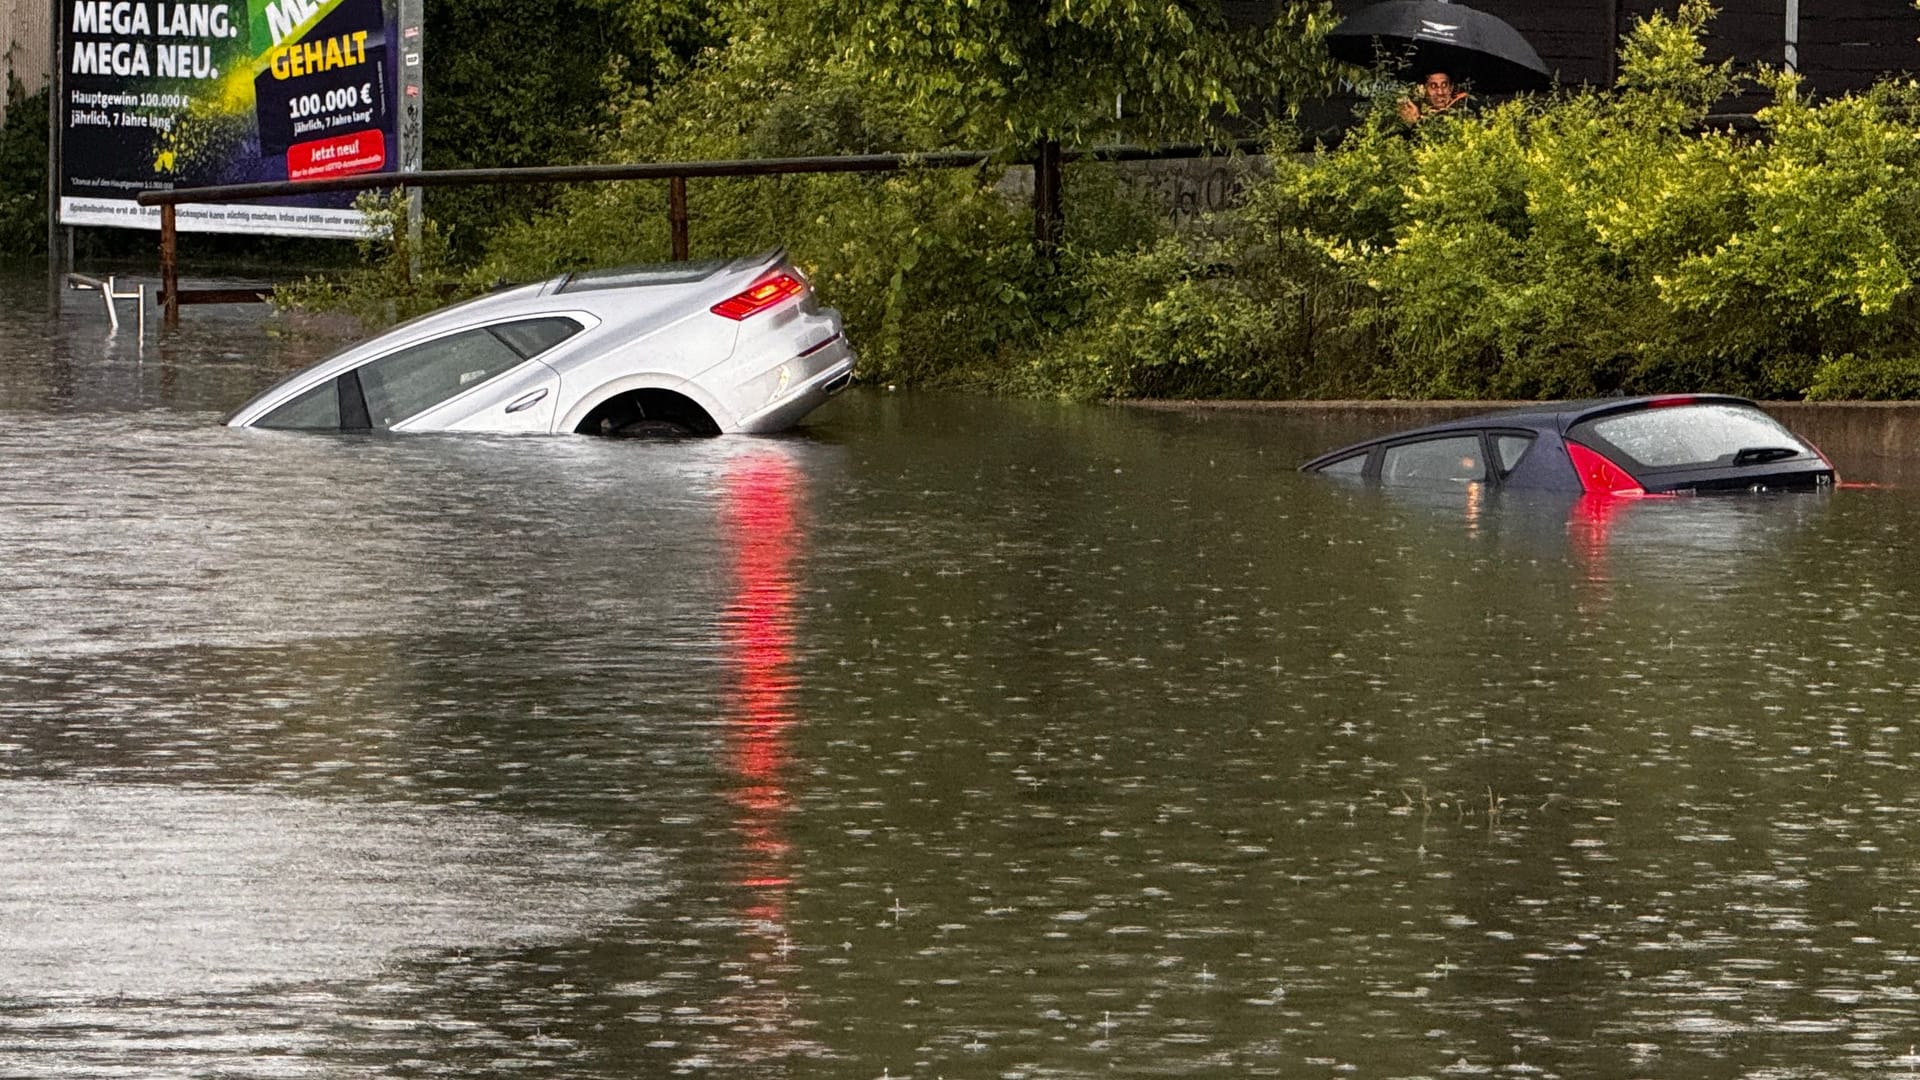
pixel 1699 435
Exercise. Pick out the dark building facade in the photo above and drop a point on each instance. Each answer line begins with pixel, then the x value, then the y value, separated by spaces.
pixel 1840 45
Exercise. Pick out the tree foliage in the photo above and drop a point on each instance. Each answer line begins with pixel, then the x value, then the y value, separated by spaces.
pixel 535 82
pixel 1587 242
pixel 1023 70
pixel 1584 244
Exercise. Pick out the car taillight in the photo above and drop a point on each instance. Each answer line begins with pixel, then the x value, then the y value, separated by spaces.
pixel 1824 459
pixel 760 296
pixel 1598 476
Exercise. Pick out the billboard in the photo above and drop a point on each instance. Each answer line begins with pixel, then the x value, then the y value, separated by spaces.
pixel 163 94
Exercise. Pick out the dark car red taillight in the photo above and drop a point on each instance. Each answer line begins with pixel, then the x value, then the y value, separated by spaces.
pixel 1824 460
pixel 1599 476
pixel 760 296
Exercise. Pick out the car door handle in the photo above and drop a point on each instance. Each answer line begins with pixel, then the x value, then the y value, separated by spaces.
pixel 528 401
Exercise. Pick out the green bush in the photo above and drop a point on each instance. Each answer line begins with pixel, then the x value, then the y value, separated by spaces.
pixel 1580 244
pixel 23 172
pixel 1574 244
pixel 1853 378
pixel 934 271
pixel 399 275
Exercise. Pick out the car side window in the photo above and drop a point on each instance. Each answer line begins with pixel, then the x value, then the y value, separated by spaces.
pixel 1509 448
pixel 401 384
pixel 1451 459
pixel 316 410
pixel 531 337
pixel 1351 465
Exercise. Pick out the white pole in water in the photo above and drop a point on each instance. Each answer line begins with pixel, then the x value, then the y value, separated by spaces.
pixel 1793 35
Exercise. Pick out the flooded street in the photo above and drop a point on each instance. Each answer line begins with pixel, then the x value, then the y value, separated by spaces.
pixel 946 737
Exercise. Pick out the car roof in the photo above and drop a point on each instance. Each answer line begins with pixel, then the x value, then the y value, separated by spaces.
pixel 1556 416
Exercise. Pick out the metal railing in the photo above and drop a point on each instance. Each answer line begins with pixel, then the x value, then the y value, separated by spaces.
pixel 109 292
pixel 1046 160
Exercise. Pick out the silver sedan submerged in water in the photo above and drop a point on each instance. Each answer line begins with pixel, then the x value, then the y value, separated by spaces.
pixel 683 348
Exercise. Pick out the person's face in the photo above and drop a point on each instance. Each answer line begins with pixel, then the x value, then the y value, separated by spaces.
pixel 1439 88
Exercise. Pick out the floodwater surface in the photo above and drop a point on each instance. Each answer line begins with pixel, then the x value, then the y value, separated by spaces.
pixel 942 738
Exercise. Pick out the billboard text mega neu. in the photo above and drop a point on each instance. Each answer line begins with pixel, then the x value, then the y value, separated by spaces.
pixel 158 95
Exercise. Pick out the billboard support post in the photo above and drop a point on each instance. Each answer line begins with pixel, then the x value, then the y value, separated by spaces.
pixel 412 107
pixel 56 84
pixel 169 268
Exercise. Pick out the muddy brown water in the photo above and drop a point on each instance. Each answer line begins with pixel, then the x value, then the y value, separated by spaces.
pixel 944 737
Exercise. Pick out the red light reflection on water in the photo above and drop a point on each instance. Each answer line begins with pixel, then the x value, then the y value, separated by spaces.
pixel 761 519
pixel 1590 523
pixel 761 527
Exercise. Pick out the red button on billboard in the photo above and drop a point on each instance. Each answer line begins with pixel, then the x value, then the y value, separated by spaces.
pixel 342 155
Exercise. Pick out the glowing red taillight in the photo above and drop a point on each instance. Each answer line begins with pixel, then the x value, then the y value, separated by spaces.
pixel 1671 400
pixel 760 296
pixel 1598 476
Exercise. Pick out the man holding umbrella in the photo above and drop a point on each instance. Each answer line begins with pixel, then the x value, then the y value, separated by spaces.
pixel 1436 95
pixel 1443 42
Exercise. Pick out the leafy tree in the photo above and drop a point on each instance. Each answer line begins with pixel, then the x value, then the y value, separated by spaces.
pixel 530 82
pixel 1019 71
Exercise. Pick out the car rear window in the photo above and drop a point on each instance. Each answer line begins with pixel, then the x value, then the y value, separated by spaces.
pixel 627 276
pixel 531 337
pixel 1689 436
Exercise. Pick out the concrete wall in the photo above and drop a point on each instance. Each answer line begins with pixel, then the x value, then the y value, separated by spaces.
pixel 25 27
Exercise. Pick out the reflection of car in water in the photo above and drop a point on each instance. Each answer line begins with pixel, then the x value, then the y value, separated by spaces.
pixel 684 348
pixel 1622 446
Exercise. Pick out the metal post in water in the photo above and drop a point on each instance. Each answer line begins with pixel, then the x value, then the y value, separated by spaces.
pixel 169 268
pixel 677 215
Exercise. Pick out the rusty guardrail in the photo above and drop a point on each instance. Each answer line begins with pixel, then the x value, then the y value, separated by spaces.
pixel 1046 159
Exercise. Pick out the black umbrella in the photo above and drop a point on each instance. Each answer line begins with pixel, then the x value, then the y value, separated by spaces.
pixel 1434 35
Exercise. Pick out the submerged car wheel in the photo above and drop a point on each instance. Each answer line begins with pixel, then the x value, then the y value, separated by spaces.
pixel 648 414
pixel 647 429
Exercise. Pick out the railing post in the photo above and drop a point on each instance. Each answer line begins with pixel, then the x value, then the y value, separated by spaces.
pixel 169 267
pixel 677 215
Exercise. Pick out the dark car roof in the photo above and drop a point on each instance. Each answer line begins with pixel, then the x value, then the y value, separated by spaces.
pixel 1565 414
pixel 1555 416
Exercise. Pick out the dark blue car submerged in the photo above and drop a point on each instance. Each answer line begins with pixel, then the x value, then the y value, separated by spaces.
pixel 1673 444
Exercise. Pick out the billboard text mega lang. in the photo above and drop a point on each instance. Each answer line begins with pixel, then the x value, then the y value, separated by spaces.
pixel 161 95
